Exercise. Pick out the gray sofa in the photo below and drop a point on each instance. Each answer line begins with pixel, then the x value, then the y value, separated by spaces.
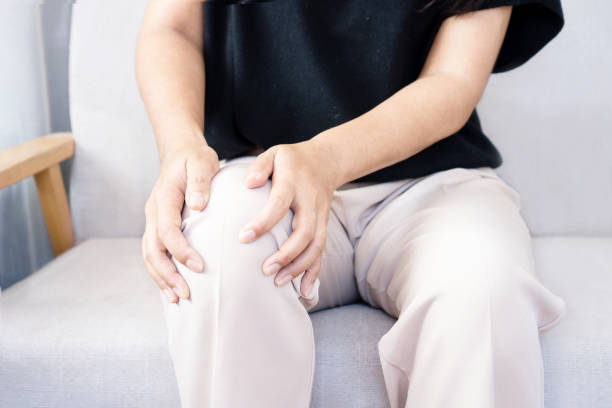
pixel 87 330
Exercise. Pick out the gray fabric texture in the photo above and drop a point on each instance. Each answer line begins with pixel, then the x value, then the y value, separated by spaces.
pixel 87 330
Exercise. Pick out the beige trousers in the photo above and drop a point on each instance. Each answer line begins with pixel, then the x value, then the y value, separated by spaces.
pixel 447 254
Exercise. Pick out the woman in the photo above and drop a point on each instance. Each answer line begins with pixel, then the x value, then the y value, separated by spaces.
pixel 333 148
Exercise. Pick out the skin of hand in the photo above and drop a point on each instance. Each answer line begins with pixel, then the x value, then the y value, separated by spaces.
pixel 306 187
pixel 170 45
pixel 425 111
pixel 185 176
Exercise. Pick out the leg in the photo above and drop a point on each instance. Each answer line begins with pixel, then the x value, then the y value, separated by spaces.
pixel 451 258
pixel 239 340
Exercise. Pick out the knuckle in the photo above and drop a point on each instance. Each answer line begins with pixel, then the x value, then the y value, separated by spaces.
pixel 284 258
pixel 198 178
pixel 296 267
pixel 298 270
pixel 164 231
pixel 280 200
pixel 167 274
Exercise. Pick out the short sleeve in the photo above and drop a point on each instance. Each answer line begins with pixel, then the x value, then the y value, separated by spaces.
pixel 533 24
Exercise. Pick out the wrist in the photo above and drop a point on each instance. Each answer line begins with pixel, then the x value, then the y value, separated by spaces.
pixel 178 142
pixel 328 153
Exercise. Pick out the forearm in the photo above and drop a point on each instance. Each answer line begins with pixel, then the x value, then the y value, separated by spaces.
pixel 418 115
pixel 427 110
pixel 171 79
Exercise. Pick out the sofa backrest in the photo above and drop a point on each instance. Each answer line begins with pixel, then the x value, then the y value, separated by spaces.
pixel 551 119
pixel 115 162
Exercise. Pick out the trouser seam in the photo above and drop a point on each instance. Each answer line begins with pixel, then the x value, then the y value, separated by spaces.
pixel 220 258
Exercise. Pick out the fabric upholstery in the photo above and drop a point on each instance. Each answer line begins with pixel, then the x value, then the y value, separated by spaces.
pixel 552 131
pixel 87 330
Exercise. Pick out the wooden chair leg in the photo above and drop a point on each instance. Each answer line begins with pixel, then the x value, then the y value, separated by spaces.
pixel 55 208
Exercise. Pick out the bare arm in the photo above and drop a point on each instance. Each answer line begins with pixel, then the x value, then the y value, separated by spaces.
pixel 429 109
pixel 171 79
pixel 434 106
pixel 170 70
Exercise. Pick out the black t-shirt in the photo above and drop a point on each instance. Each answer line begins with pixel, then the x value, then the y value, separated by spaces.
pixel 282 71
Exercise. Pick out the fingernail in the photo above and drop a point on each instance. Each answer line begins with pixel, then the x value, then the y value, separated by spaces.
pixel 169 295
pixel 246 235
pixel 194 265
pixel 309 286
pixel 180 293
pixel 280 281
pixel 196 199
pixel 271 269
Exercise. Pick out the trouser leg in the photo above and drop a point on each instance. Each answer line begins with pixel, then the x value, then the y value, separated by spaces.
pixel 451 258
pixel 239 341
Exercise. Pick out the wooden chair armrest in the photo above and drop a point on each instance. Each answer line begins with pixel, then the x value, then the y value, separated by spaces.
pixel 40 158
pixel 29 158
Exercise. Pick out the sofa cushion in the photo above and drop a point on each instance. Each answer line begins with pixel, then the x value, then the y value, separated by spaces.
pixel 88 330
pixel 578 353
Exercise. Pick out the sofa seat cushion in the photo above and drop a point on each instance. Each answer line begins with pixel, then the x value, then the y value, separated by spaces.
pixel 88 330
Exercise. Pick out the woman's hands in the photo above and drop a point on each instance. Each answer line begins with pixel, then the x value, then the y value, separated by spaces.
pixel 303 180
pixel 185 175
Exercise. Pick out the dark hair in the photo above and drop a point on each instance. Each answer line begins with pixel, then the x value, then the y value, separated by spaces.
pixel 450 7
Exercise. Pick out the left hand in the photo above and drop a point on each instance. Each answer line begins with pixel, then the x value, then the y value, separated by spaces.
pixel 303 181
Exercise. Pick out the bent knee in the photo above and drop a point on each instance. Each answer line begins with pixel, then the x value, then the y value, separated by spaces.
pixel 231 206
pixel 233 269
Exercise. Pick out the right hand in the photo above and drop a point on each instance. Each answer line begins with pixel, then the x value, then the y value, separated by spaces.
pixel 185 176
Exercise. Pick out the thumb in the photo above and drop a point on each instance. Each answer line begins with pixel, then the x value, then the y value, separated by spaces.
pixel 260 169
pixel 198 185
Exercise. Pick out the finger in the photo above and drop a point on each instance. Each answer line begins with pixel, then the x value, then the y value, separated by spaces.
pixel 163 267
pixel 303 233
pixel 304 260
pixel 260 169
pixel 279 201
pixel 169 231
pixel 309 277
pixel 198 184
pixel 146 256
pixel 154 274
pixel 167 271
pixel 169 293
pixel 163 286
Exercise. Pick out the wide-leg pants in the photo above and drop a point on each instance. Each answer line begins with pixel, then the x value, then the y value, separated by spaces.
pixel 448 254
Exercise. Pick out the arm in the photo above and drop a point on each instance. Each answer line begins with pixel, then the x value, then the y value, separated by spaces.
pixel 429 109
pixel 170 74
pixel 170 71
pixel 434 106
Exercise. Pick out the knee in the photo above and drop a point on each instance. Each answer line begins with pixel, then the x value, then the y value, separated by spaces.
pixel 233 267
pixel 231 204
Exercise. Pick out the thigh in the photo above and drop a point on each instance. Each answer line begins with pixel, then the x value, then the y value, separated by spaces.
pixel 454 231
